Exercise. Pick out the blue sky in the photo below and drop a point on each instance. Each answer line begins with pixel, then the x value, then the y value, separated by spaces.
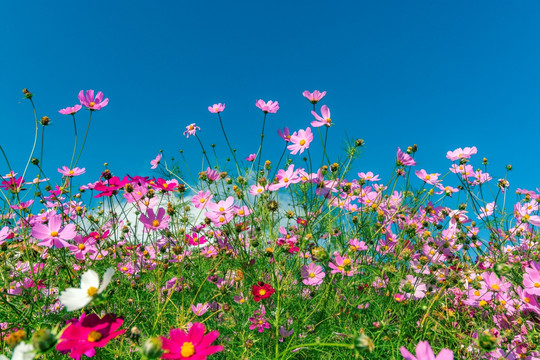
pixel 441 74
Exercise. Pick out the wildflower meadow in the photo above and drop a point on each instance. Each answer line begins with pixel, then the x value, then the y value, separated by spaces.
pixel 231 256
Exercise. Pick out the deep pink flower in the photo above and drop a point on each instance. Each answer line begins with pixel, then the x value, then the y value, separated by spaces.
pixel 301 141
pixel 110 187
pixel 152 221
pixel 216 108
pixel 92 103
pixel 53 234
pixel 258 321
pixel 194 345
pixel 251 157
pixel 70 110
pixel 156 161
pixel 270 107
pixel 324 120
pixel 314 97
pixel 191 129
pixel 424 352
pixel 71 172
pixel 83 335
pixel 285 134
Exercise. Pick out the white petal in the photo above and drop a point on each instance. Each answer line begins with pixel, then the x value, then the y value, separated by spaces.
pixel 74 299
pixel 23 351
pixel 89 279
pixel 106 279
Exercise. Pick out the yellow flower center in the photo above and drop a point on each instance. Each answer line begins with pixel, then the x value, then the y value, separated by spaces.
pixel 482 303
pixel 191 127
pixel 477 293
pixel 259 190
pixel 94 336
pixel 92 104
pixel 240 212
pixel 428 177
pixel 124 268
pixel 302 142
pixel 155 223
pixel 536 285
pixel 71 172
pixel 328 120
pixel 202 201
pixel 92 291
pixel 165 185
pixel 54 233
pixel 311 275
pixel 187 349
pixel 81 247
pixel 221 209
pixel 495 287
pixel 221 219
pixel 262 292
pixel 346 262
pixel 527 300
pixel 286 180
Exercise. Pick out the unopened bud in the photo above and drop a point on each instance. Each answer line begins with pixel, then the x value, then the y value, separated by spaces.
pixel 363 344
pixel 45 121
pixel 27 94
pixel 359 142
pixel 34 161
pixel 151 349
pixel 509 167
pixel 43 340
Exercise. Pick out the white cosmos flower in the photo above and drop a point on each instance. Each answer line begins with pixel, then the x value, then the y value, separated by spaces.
pixel 75 298
pixel 23 351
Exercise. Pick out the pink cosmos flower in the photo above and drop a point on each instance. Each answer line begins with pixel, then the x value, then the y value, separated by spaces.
pixel 71 172
pixel 83 335
pixel 324 120
pixel 154 221
pixel 201 199
pixel 301 141
pixel 431 179
pixel 156 161
pixel 413 288
pixel 53 234
pixel 270 107
pixel 285 134
pixel 368 176
pixel 313 274
pixel 487 211
pixel 258 321
pixel 404 159
pixel 191 129
pixel 461 153
pixel 216 108
pixel 200 309
pixel 193 345
pixel 314 97
pixel 92 103
pixel 251 157
pixel 70 110
pixel 424 352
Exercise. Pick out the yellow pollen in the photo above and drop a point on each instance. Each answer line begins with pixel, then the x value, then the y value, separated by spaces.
pixel 477 293
pixel 81 247
pixel 202 201
pixel 191 127
pixel 94 336
pixel 346 262
pixel 302 142
pixel 527 300
pixel 536 285
pixel 165 185
pixel 54 233
pixel 482 303
pixel 92 104
pixel 221 219
pixel 71 172
pixel 340 268
pixel 428 177
pixel 311 275
pixel 92 291
pixel 259 190
pixel 286 180
pixel 124 268
pixel 262 292
pixel 78 208
pixel 221 209
pixel 240 212
pixel 145 253
pixel 155 223
pixel 187 349
pixel 495 287
pixel 328 120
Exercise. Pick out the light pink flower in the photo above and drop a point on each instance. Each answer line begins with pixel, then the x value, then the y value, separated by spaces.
pixel 324 120
pixel 368 176
pixel 70 110
pixel 156 161
pixel 424 352
pixel 404 159
pixel 152 221
pixel 200 309
pixel 314 97
pixel 71 172
pixel 92 103
pixel 191 129
pixel 216 108
pixel 431 179
pixel 301 141
pixel 201 199
pixel 461 153
pixel 270 107
pixel 313 274
pixel 53 234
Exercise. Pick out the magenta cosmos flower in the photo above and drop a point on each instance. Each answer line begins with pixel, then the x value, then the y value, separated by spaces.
pixel 53 234
pixel 424 352
pixel 300 141
pixel 71 172
pixel 191 129
pixel 404 159
pixel 314 97
pixel 216 108
pixel 92 103
pixel 154 221
pixel 323 120
pixel 70 110
pixel 84 335
pixel 269 107
pixel 194 345
pixel 312 274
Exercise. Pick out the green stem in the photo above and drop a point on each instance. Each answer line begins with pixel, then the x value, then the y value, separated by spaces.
pixel 84 141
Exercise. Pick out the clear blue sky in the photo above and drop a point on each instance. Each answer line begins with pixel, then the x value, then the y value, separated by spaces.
pixel 441 74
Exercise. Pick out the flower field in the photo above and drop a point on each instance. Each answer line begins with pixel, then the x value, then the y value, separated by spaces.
pixel 304 258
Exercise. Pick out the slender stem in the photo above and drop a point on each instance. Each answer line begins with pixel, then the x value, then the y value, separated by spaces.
pixel 203 151
pixel 75 145
pixel 35 142
pixel 84 141
pixel 42 144
pixel 228 143
pixel 259 153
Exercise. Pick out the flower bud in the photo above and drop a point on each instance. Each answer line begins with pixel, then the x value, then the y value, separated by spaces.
pixel 27 94
pixel 43 340
pixel 151 349
pixel 359 142
pixel 363 344
pixel 45 121
pixel 509 167
pixel 34 161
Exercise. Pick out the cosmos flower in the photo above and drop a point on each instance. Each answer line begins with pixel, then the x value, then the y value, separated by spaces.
pixel 70 110
pixel 268 107
pixel 156 161
pixel 92 103
pixel 301 141
pixel 424 352
pixel 191 129
pixel 323 120
pixel 193 345
pixel 216 108
pixel 261 291
pixel 314 97
pixel 67 172
pixel 77 298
